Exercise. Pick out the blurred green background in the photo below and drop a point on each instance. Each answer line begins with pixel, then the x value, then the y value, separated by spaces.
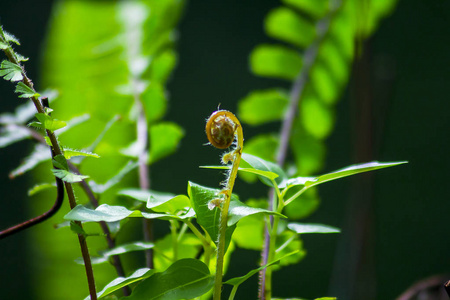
pixel 385 246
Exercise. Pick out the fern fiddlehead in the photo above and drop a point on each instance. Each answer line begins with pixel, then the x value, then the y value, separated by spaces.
pixel 222 128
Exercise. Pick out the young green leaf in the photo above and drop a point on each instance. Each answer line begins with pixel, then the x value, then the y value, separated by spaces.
pixel 47 122
pixel 275 61
pixel 10 134
pixel 120 282
pixel 40 187
pixel 302 228
pixel 109 213
pixel 284 24
pixel 260 164
pixel 60 162
pixel 25 91
pixel 68 153
pixel 67 176
pixel 264 106
pixel 39 154
pixel 3 45
pixel 239 210
pixel 164 139
pixel 11 38
pixel 184 279
pixel 122 249
pixel 352 170
pixel 10 71
pixel 209 219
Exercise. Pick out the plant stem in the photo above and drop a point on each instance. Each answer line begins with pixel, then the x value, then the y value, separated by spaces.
pixel 58 151
pixel 286 130
pixel 224 210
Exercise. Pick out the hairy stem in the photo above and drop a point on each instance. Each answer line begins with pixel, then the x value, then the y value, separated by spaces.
pixel 57 151
pixel 224 210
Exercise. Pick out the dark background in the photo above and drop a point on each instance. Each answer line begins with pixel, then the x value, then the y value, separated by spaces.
pixel 406 65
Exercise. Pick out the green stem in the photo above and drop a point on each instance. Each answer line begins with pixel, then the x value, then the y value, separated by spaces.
pixel 173 230
pixel 233 292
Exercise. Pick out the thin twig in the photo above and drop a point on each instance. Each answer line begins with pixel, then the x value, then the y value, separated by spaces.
pixel 57 151
pixel 286 130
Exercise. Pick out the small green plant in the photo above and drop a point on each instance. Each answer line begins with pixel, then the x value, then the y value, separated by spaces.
pixel 207 223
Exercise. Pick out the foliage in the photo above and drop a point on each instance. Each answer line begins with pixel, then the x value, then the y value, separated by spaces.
pixel 111 80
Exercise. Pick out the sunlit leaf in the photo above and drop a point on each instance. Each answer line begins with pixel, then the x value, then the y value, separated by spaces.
pixel 120 282
pixel 184 279
pixel 302 228
pixel 286 25
pixel 25 91
pixel 10 71
pixel 68 153
pixel 40 187
pixel 266 174
pixel 260 164
pixel 154 101
pixel 39 154
pixel 164 139
pixel 207 218
pixel 47 122
pixel 109 213
pixel 275 61
pixel 11 134
pixel 122 249
pixel 68 176
pixel 352 170
pixel 264 106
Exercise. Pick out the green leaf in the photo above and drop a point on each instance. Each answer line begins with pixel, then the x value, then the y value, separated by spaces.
pixel 209 219
pixel 10 71
pixel 239 210
pixel 352 170
pixel 184 279
pixel 163 65
pixel 263 165
pixel 60 162
pixel 39 187
pixel 317 8
pixel 122 249
pixel 47 122
pixel 120 282
pixel 11 38
pixel 275 61
pixel 10 134
pixel 110 213
pixel 25 91
pixel 264 106
pixel 154 101
pixel 3 45
pixel 284 24
pixel 39 154
pixel 187 247
pixel 288 242
pixel 164 139
pixel 302 228
pixel 158 201
pixel 244 236
pixel 309 152
pixel 68 153
pixel 317 118
pixel 67 176
pixel 240 280
pixel 303 206
pixel 101 188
